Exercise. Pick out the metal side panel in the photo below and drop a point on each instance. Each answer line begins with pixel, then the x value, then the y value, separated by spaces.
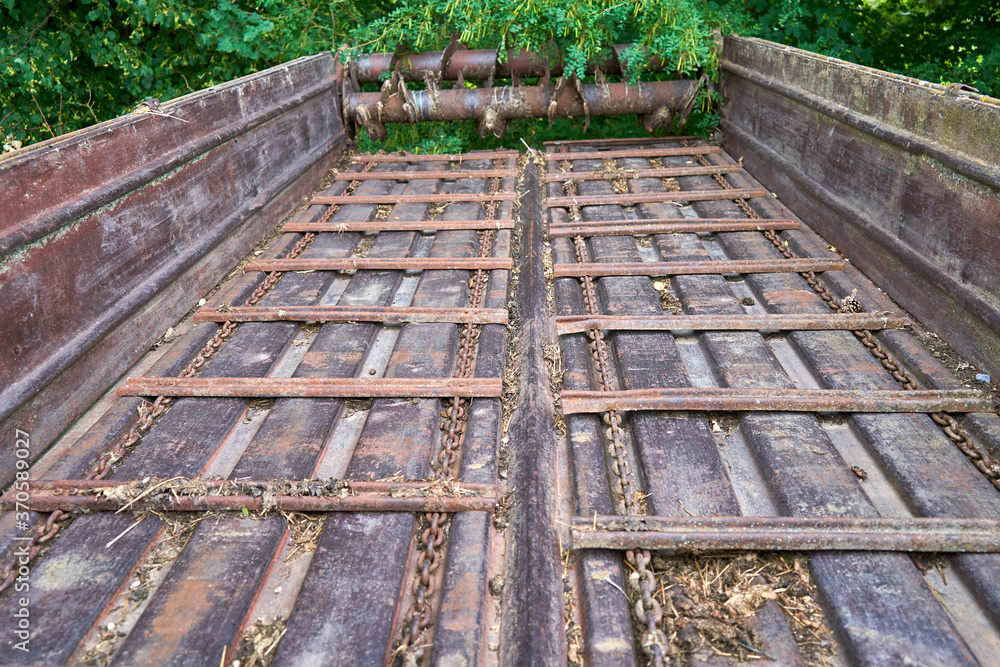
pixel 899 174
pixel 109 234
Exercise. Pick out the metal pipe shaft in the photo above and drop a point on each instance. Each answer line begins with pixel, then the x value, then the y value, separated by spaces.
pixel 270 387
pixel 524 102
pixel 726 399
pixel 787 534
pixel 50 502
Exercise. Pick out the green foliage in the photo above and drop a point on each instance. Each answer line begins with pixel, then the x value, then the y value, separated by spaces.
pixel 678 32
pixel 944 41
pixel 65 65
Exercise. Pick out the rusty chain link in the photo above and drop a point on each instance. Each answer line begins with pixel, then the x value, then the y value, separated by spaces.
pixel 626 497
pixel 46 529
pixel 430 554
pixel 949 425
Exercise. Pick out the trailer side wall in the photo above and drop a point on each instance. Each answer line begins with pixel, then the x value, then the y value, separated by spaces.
pixel 110 234
pixel 901 175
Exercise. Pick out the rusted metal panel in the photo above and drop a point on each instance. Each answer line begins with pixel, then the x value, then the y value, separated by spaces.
pixel 344 611
pixel 715 267
pixel 143 225
pixel 206 594
pixel 900 174
pixel 388 314
pixel 752 322
pixel 749 533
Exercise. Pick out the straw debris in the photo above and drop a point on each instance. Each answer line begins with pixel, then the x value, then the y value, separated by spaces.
pixel 708 600
pixel 305 530
pixel 668 300
pixel 257 645
pixel 553 362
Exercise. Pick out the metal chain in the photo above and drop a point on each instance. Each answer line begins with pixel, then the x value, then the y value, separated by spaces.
pixel 430 553
pixel 46 529
pixel 952 429
pixel 626 498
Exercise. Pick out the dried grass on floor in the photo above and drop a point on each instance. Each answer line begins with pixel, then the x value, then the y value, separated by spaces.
pixel 707 600
pixel 258 643
pixel 669 302
pixel 305 530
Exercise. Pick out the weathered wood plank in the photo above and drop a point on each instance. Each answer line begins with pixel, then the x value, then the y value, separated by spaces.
pixel 606 616
pixel 287 446
pixel 533 630
pixel 856 589
pixel 362 559
pixel 463 618
pixel 680 459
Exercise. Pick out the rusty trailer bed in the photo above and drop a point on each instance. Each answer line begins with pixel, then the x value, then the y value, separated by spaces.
pixel 604 403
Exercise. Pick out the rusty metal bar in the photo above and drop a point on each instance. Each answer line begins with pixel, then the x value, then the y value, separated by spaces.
pixel 569 324
pixel 666 151
pixel 651 197
pixel 443 157
pixel 84 486
pixel 666 172
pixel 414 175
pixel 352 314
pixel 398 225
pixel 744 533
pixel 664 226
pixel 180 494
pixel 597 269
pixel 727 399
pixel 270 387
pixel 620 141
pixel 415 199
pixel 522 102
pixel 382 264
pixel 47 502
